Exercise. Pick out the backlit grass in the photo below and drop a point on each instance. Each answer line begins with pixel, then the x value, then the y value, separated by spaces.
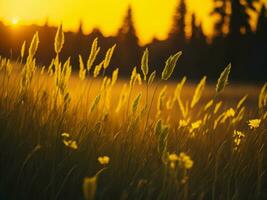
pixel 93 136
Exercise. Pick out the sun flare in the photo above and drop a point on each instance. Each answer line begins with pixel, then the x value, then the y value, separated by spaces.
pixel 15 21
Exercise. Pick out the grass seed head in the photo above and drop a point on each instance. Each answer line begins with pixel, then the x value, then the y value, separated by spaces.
pixel 223 79
pixel 198 92
pixel 22 51
pixel 170 65
pixel 93 54
pixel 144 63
pixel 59 39
pixel 108 56
pixel 82 71
pixel 34 45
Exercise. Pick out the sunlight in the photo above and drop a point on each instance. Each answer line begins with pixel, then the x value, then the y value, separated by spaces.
pixel 133 99
pixel 14 21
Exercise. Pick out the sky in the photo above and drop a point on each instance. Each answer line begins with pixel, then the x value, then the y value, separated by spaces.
pixel 152 18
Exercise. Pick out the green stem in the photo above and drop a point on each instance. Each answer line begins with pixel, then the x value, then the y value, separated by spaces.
pixel 149 109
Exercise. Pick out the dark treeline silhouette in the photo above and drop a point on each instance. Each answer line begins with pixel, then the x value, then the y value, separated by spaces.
pixel 233 41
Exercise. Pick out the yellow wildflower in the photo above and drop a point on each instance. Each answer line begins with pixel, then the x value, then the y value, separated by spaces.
pixel 183 123
pixel 173 157
pixel 185 161
pixel 71 144
pixel 103 160
pixel 238 135
pixel 254 123
pixel 195 125
pixel 230 113
pixel 65 135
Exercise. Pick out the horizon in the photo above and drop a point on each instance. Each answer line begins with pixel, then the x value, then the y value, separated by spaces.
pixel 148 23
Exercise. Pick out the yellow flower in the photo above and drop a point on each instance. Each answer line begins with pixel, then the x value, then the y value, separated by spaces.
pixel 183 123
pixel 185 161
pixel 103 160
pixel 238 135
pixel 195 125
pixel 254 123
pixel 71 144
pixel 230 113
pixel 65 135
pixel 173 157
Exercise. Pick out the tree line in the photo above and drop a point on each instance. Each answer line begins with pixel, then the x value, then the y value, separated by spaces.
pixel 234 40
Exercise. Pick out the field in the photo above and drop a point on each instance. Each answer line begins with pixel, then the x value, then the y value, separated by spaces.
pixel 90 136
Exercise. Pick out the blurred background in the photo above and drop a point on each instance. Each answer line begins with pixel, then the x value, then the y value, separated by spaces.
pixel 211 33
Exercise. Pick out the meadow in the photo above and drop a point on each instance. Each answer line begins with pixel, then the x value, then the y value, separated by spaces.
pixel 87 135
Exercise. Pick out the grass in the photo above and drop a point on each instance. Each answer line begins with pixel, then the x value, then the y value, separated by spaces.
pixel 90 136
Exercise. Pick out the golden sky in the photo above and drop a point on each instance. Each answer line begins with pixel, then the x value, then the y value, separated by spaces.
pixel 152 18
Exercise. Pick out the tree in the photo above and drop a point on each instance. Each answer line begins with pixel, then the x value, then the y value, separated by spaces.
pixel 239 18
pixel 197 33
pixel 179 25
pixel 127 32
pixel 260 46
pixel 193 27
pixel 262 22
pixel 220 10
pixel 197 48
pixel 128 48
pixel 80 29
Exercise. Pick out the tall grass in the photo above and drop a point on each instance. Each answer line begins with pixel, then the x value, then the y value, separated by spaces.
pixel 96 137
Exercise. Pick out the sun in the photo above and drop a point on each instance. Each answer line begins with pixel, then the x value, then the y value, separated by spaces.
pixel 14 21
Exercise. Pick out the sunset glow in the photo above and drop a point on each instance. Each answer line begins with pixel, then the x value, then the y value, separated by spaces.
pixel 153 18
pixel 15 21
pixel 133 99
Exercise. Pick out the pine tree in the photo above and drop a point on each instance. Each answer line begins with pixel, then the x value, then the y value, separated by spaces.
pixel 128 47
pixel 197 34
pixel 179 24
pixel 220 10
pixel 262 22
pixel 80 29
pixel 239 18
pixel 127 32
pixel 193 27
